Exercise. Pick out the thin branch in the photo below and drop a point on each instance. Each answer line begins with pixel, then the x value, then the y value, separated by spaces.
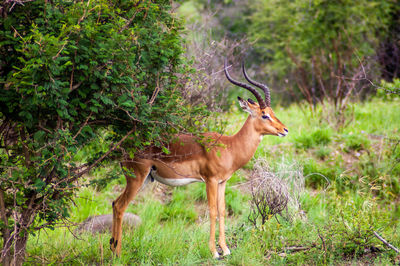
pixel 3 215
pixel 386 243
pixel 298 248
pixel 131 19
pixel 90 167
pixel 323 242
pixel 84 124
pixel 59 52
pixel 156 91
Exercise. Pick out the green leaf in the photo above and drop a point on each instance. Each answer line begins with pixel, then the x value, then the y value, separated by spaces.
pixel 165 150
pixel 38 136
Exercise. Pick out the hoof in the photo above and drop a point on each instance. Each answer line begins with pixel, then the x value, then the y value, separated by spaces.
pixel 111 244
pixel 216 255
pixel 226 252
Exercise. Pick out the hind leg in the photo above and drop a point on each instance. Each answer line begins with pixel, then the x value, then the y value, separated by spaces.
pixel 221 215
pixel 133 184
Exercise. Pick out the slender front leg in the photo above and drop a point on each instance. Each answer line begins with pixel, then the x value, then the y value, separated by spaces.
pixel 221 215
pixel 133 184
pixel 212 189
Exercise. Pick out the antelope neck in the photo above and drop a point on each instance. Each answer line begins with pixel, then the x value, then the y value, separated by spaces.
pixel 246 141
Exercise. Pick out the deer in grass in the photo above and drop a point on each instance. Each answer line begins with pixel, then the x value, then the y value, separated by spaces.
pixel 190 161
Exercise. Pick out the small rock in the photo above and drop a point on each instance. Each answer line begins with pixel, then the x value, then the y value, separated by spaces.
pixel 103 223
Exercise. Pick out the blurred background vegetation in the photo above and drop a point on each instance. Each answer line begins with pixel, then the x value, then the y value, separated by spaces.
pixel 334 71
pixel 307 50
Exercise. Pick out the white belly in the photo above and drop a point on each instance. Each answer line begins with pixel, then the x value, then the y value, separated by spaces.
pixel 174 182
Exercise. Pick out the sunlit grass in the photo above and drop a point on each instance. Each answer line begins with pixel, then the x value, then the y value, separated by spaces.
pixel 175 230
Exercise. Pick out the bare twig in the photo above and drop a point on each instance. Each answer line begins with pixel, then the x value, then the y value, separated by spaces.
pixel 156 91
pixel 298 248
pixel 90 167
pixel 294 249
pixel 131 19
pixel 386 243
pixel 84 124
pixel 5 232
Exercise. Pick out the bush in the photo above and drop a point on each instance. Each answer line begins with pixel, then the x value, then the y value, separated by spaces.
pixel 320 175
pixel 303 141
pixel 352 223
pixel 273 192
pixel 312 44
pixel 355 142
pixel 322 136
pixel 322 152
pixel 318 137
pixel 71 71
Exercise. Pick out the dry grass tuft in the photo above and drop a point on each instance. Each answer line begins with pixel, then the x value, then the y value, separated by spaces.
pixel 272 192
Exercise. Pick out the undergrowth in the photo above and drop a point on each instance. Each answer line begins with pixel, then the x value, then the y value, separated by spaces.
pixel 352 189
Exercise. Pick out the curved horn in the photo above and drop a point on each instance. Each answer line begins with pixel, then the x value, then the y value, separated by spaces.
pixel 243 85
pixel 261 86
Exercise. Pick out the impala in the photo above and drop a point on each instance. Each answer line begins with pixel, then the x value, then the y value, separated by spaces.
pixel 190 161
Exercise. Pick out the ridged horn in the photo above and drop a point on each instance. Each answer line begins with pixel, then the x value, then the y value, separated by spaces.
pixel 245 86
pixel 260 85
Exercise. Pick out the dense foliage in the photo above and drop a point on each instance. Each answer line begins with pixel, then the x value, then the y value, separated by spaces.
pixel 317 50
pixel 389 52
pixel 321 46
pixel 72 71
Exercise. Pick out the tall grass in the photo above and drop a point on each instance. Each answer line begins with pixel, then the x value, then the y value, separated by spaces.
pixel 350 176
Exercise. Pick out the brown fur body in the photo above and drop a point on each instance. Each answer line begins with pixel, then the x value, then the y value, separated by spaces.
pixel 213 163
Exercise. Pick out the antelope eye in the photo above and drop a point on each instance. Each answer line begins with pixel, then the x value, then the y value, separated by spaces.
pixel 266 117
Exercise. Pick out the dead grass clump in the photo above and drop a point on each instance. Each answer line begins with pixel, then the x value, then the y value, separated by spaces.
pixel 272 192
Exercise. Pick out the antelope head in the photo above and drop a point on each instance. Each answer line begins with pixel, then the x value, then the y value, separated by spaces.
pixel 260 111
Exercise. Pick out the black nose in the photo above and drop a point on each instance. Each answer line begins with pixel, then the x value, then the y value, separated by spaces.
pixel 286 130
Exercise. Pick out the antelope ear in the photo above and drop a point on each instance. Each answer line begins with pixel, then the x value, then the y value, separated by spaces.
pixel 245 105
pixel 251 101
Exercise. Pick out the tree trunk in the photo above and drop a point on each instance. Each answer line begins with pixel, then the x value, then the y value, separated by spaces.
pixel 14 244
pixel 5 232
pixel 19 252
pixel 14 256
pixel 6 256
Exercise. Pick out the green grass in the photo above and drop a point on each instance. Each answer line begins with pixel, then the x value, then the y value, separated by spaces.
pixel 184 242
pixel 352 188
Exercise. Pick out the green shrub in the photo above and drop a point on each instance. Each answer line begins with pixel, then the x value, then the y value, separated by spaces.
pixel 322 136
pixel 322 152
pixel 312 40
pixel 303 141
pixel 351 224
pixel 320 175
pixel 355 142
pixel 70 71
pixel 318 137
